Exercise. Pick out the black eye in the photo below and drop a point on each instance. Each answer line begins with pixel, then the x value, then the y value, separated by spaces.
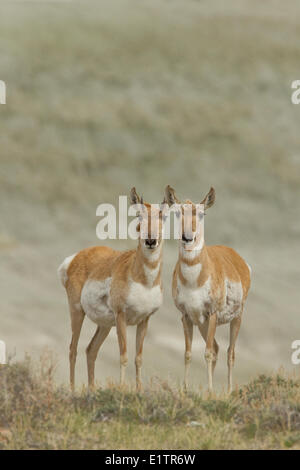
pixel 177 214
pixel 201 215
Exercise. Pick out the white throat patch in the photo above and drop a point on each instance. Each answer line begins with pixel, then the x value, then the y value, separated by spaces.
pixel 191 273
pixel 191 254
pixel 152 255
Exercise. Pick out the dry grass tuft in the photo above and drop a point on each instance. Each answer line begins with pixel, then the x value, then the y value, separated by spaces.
pixel 37 414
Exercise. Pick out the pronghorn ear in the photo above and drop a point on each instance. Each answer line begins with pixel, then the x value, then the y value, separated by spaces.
pixel 170 196
pixel 164 208
pixel 134 197
pixel 209 199
pixel 164 204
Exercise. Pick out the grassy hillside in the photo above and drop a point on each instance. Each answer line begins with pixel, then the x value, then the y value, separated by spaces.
pixel 102 96
pixel 35 414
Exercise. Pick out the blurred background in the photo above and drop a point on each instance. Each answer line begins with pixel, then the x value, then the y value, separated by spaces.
pixel 103 96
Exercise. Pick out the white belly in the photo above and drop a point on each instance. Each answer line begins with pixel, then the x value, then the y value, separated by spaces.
pixel 194 301
pixel 95 301
pixel 198 303
pixel 233 302
pixel 141 302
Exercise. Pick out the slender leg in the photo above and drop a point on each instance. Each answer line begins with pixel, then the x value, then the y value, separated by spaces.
pixel 203 328
pixel 121 332
pixel 141 331
pixel 209 351
pixel 77 317
pixel 234 331
pixel 188 335
pixel 92 351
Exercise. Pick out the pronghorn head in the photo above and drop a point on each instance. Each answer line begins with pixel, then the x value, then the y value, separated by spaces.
pixel 192 230
pixel 151 220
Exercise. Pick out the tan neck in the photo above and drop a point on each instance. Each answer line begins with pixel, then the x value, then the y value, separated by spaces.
pixel 146 268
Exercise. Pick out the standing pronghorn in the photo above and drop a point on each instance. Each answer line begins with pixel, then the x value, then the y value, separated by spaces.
pixel 116 288
pixel 210 285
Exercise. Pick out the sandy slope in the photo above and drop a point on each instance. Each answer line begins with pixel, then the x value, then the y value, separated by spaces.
pixel 148 94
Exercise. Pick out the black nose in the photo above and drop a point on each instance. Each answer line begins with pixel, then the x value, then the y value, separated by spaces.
pixel 186 239
pixel 150 242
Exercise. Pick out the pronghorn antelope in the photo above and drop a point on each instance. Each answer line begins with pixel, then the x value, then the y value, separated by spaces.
pixel 210 286
pixel 115 288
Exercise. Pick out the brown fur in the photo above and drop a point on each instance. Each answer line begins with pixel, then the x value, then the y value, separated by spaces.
pixel 98 264
pixel 220 265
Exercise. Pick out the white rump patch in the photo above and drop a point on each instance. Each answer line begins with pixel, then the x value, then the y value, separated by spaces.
pixel 63 269
pixel 250 269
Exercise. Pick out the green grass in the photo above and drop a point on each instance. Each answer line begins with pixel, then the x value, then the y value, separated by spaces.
pixel 37 414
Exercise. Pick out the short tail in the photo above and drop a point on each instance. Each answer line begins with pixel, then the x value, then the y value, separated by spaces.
pixel 250 269
pixel 63 269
